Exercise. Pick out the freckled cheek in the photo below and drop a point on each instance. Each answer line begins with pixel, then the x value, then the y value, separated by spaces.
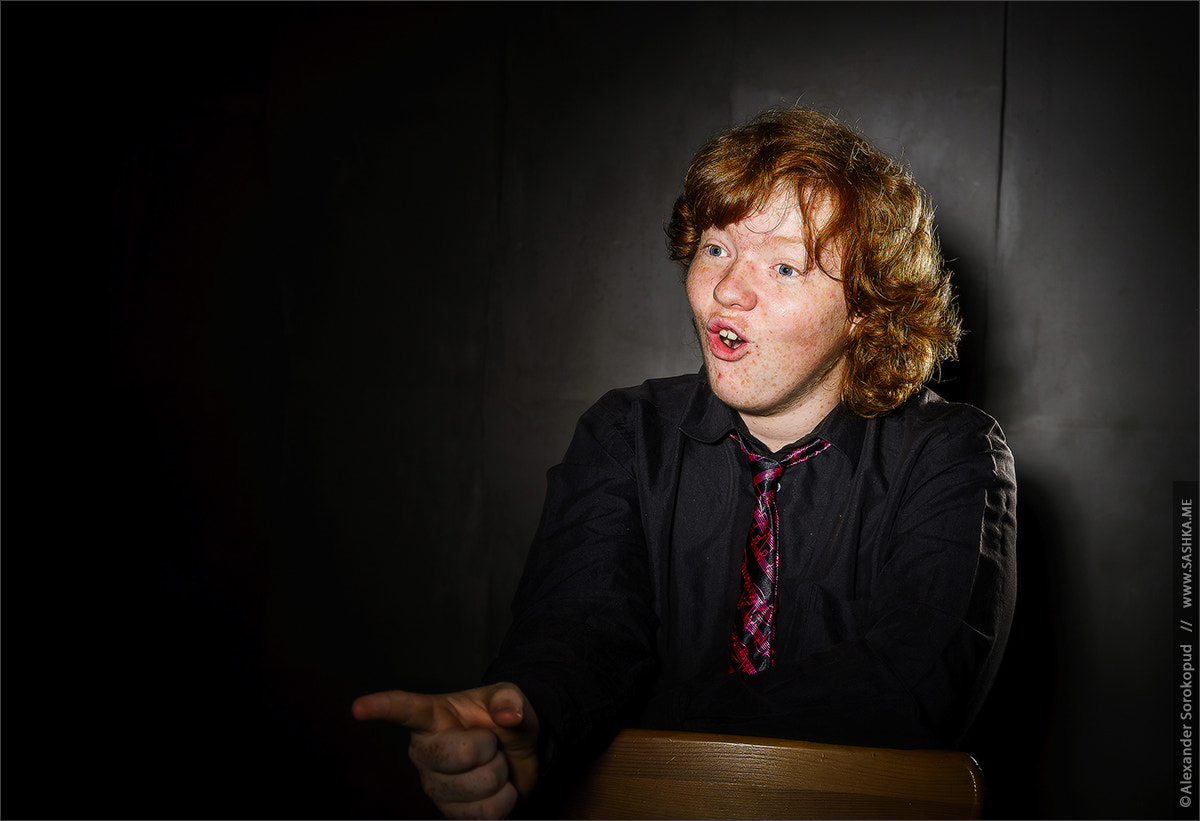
pixel 696 288
pixel 832 313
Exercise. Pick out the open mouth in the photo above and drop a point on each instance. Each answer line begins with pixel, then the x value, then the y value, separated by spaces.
pixel 724 342
pixel 730 338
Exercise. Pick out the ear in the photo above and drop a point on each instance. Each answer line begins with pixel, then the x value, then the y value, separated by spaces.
pixel 852 316
pixel 853 320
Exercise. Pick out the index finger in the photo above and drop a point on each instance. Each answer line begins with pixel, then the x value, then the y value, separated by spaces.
pixel 412 710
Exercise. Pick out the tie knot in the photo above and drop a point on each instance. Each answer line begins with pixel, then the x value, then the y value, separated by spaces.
pixel 767 469
pixel 766 477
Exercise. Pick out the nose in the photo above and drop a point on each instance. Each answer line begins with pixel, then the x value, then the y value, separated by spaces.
pixel 734 289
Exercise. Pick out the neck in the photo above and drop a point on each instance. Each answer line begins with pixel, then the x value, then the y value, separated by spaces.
pixel 782 429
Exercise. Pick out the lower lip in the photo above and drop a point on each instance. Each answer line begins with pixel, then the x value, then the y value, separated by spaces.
pixel 721 351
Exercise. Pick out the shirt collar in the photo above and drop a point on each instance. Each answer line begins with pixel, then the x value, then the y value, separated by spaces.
pixel 708 419
pixel 843 429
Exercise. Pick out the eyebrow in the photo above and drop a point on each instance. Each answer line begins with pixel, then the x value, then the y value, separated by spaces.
pixel 791 239
pixel 774 238
pixel 783 237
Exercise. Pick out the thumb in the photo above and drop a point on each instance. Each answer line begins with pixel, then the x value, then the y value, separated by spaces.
pixel 517 729
pixel 507 705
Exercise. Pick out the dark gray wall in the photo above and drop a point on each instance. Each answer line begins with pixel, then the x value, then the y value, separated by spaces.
pixel 342 278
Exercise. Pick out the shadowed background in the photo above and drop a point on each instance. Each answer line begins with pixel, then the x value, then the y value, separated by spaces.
pixel 326 287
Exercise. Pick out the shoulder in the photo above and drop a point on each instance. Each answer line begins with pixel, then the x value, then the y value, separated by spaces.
pixel 928 413
pixel 667 398
pixel 624 417
pixel 942 433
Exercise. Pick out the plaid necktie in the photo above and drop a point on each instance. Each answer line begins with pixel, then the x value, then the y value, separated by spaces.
pixel 754 630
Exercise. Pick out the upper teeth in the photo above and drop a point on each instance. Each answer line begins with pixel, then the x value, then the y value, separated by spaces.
pixel 728 335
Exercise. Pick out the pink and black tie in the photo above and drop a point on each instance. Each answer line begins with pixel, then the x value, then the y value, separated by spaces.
pixel 754 630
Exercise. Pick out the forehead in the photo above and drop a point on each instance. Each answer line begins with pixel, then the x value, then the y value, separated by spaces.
pixel 782 217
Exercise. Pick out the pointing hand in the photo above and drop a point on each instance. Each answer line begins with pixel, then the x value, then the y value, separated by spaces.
pixel 476 750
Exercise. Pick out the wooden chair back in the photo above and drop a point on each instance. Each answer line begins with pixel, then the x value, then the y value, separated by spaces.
pixel 658 774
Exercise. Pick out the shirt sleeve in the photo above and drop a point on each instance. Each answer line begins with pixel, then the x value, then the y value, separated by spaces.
pixel 930 633
pixel 582 643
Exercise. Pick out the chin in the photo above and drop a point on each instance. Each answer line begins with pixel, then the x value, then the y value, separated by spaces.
pixel 738 400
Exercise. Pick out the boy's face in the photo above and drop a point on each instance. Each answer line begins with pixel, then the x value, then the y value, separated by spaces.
pixel 773 326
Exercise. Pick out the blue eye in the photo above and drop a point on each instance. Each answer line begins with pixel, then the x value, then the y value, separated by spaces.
pixel 713 250
pixel 786 270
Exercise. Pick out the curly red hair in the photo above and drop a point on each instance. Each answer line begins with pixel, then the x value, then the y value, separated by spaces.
pixel 895 281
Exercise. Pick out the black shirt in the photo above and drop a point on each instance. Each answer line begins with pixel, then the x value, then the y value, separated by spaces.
pixel 897 575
